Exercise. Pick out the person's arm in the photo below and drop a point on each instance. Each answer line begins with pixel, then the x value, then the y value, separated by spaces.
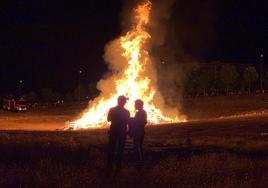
pixel 145 118
pixel 109 118
pixel 129 120
pixel 129 124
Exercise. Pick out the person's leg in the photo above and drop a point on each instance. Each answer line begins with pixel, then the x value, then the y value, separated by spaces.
pixel 141 147
pixel 136 147
pixel 139 155
pixel 111 151
pixel 120 151
pixel 138 152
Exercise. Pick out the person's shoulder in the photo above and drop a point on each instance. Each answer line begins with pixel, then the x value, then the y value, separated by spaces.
pixel 126 111
pixel 112 108
pixel 143 111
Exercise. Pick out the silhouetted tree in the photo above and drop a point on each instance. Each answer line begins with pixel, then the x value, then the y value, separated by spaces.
pixel 228 77
pixel 80 92
pixel 31 96
pixel 1 101
pixel 47 94
pixel 56 96
pixel 191 83
pixel 266 80
pixel 250 76
pixel 205 80
pixel 69 97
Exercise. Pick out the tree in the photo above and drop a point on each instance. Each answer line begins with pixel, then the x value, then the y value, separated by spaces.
pixel 1 101
pixel 228 77
pixel 56 96
pixel 205 80
pixel 47 94
pixel 250 76
pixel 69 97
pixel 191 83
pixel 31 96
pixel 80 92
pixel 266 80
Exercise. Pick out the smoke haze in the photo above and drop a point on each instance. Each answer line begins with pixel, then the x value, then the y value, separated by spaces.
pixel 181 32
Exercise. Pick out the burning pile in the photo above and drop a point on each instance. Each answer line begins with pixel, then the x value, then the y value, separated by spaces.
pixel 135 78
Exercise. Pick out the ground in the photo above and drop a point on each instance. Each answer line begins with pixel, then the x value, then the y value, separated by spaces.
pixel 230 151
pixel 51 118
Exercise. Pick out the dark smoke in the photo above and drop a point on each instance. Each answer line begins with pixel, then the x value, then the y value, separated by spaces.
pixel 183 32
pixel 187 29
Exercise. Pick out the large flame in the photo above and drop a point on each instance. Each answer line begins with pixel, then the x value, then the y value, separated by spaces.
pixel 136 80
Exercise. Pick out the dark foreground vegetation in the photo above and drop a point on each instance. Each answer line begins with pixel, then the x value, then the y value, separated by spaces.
pixel 223 153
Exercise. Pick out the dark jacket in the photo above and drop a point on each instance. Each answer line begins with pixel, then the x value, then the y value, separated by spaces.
pixel 119 118
pixel 139 122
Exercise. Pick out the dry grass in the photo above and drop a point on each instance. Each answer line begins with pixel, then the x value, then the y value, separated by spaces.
pixel 215 106
pixel 220 154
pixel 217 153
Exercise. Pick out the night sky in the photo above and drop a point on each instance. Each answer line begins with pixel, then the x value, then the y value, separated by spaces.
pixel 45 43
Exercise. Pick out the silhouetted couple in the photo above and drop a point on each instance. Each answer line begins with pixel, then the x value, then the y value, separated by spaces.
pixel 121 125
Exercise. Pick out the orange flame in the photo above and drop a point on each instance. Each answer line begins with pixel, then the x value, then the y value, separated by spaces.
pixel 136 80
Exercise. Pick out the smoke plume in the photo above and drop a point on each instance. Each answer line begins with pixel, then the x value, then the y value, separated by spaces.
pixel 183 32
pixel 160 14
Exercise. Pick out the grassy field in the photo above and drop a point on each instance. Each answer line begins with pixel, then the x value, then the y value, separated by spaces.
pixel 206 152
pixel 52 118
pixel 216 106
pixel 220 153
pixel 193 108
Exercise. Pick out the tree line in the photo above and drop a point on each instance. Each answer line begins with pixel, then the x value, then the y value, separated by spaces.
pixel 222 80
pixel 81 92
pixel 201 80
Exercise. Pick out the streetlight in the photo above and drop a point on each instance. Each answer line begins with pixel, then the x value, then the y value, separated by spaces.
pixel 261 72
pixel 20 87
pixel 79 78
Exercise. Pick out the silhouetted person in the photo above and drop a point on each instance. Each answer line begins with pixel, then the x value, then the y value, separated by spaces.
pixel 137 129
pixel 119 118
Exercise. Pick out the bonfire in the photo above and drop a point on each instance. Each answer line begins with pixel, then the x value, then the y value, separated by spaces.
pixel 135 78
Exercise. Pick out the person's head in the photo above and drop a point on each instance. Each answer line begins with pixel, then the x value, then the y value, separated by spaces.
pixel 121 101
pixel 139 104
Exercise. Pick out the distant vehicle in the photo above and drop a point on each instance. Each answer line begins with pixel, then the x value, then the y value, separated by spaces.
pixel 15 105
pixel 9 104
pixel 21 105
